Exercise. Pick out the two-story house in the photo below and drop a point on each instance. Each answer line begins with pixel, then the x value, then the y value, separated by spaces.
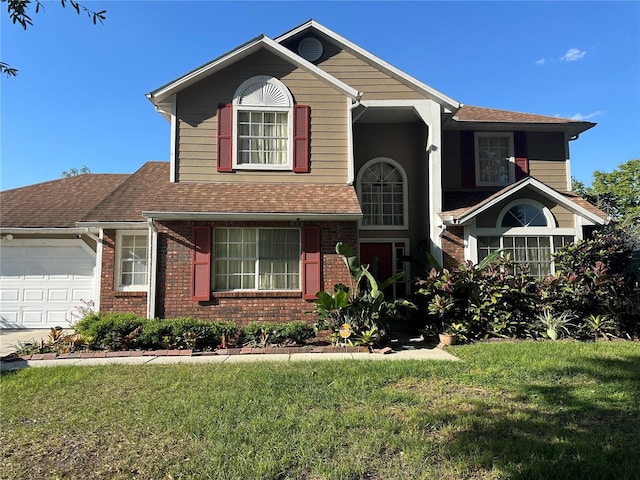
pixel 285 146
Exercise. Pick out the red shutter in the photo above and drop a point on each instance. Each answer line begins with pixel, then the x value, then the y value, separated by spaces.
pixel 301 138
pixel 225 137
pixel 521 155
pixel 467 150
pixel 201 264
pixel 310 262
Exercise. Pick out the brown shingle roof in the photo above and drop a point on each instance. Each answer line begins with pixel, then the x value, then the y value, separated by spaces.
pixel 460 204
pixel 470 113
pixel 57 203
pixel 149 189
pixel 479 118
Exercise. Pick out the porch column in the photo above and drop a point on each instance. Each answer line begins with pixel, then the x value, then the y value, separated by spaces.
pixel 429 111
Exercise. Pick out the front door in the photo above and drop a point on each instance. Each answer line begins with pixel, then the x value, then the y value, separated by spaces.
pixel 385 259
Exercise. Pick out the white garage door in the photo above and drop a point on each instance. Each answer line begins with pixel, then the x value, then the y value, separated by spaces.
pixel 41 281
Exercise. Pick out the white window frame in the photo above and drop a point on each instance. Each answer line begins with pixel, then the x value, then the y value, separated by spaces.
pixel 511 158
pixel 405 194
pixel 257 261
pixel 118 266
pixel 550 231
pixel 283 104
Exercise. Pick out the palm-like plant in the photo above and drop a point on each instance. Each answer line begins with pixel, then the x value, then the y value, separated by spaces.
pixel 553 324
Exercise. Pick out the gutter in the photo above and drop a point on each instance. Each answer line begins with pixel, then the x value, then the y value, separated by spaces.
pixel 253 217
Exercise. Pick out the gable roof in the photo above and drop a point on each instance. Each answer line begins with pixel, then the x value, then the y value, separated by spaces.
pixel 148 193
pixel 57 203
pixel 469 116
pixel 387 68
pixel 161 96
pixel 462 206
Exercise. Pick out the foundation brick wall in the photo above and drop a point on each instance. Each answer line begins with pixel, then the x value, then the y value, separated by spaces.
pixel 452 247
pixel 110 299
pixel 173 297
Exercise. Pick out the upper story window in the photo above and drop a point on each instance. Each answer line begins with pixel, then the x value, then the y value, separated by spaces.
pixel 131 261
pixel 263 110
pixel 494 159
pixel 382 189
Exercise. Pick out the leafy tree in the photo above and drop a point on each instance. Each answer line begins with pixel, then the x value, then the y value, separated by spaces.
pixel 19 12
pixel 72 172
pixel 618 194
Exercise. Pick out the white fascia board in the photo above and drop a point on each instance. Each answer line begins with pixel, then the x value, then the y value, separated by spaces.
pixel 173 166
pixel 384 66
pixel 159 96
pixel 253 217
pixel 114 225
pixel 546 191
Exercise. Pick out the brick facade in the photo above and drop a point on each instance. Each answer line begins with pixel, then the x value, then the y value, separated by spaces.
pixel 112 300
pixel 174 277
pixel 452 247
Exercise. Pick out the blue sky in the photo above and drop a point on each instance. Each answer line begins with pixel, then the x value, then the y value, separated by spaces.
pixel 80 100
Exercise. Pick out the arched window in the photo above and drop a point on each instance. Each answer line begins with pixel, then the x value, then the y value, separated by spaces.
pixel 524 215
pixel 262 114
pixel 382 189
pixel 526 230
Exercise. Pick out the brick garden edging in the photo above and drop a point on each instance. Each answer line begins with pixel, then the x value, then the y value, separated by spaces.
pixel 191 353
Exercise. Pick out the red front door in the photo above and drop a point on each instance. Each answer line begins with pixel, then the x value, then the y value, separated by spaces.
pixel 380 257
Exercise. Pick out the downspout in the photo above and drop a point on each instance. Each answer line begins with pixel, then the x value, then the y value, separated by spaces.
pixel 350 154
pixel 152 258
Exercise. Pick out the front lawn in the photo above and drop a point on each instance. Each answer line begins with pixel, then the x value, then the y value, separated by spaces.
pixel 524 410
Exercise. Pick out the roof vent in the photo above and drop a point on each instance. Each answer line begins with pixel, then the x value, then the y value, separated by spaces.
pixel 310 49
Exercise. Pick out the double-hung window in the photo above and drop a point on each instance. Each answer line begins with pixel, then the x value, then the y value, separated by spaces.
pixel 263 109
pixel 256 259
pixel 494 159
pixel 131 260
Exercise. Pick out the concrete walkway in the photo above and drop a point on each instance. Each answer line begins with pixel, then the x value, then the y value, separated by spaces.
pixel 405 349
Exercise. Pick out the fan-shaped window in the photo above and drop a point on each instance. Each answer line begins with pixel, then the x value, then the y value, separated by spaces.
pixel 382 191
pixel 263 110
pixel 524 215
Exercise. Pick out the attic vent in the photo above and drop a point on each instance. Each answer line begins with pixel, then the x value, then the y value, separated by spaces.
pixel 310 49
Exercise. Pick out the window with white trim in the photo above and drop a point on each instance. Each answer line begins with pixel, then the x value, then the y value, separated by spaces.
pixel 382 189
pixel 526 232
pixel 131 260
pixel 256 259
pixel 494 159
pixel 263 108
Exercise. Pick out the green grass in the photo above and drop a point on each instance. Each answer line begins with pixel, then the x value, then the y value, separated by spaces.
pixel 510 410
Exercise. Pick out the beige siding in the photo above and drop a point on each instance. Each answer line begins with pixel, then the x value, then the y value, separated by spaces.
pixel 404 143
pixel 551 172
pixel 354 71
pixel 547 158
pixel 197 124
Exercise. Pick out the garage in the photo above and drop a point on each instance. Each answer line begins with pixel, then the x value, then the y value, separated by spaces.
pixel 42 280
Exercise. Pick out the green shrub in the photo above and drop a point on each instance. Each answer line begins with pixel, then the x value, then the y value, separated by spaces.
pixel 498 298
pixel 273 333
pixel 111 330
pixel 121 331
pixel 493 299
